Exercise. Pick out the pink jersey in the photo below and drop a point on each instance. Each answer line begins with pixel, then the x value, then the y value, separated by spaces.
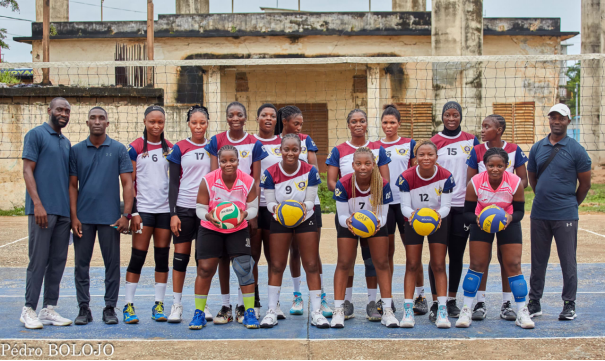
pixel 218 193
pixel 501 197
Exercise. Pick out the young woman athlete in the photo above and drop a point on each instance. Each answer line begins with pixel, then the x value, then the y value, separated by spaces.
pixel 495 186
pixel 454 147
pixel 228 183
pixel 151 213
pixel 427 185
pixel 292 179
pixel 340 164
pixel 364 189
pixel 188 164
pixel 492 129
pixel 251 152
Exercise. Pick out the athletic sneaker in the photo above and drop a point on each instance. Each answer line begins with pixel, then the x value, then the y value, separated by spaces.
pixel 30 319
pixel 48 316
pixel 380 306
pixel 524 320
pixel 84 316
pixel 257 307
pixel 297 304
pixel 129 314
pixel 250 320
pixel 326 311
pixel 372 312
pixel 109 316
pixel 269 320
pixel 408 320
pixel 507 312
pixel 421 306
pixel 534 308
pixel 465 318
pixel 388 318
pixel 176 314
pixel 433 312
pixel 225 315
pixel 240 312
pixel 198 321
pixel 318 320
pixel 569 311
pixel 280 313
pixel 349 310
pixel 157 312
pixel 479 312
pixel 452 309
pixel 442 320
pixel 209 317
pixel 338 318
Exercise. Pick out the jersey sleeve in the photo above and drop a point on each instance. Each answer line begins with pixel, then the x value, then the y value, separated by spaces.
pixel 449 184
pixel 472 160
pixel 311 147
pixel 266 181
pixel 383 158
pixel 403 184
pixel 175 155
pixel 212 146
pixel 132 153
pixel 334 158
pixel 314 179
pixel 476 141
pixel 387 194
pixel 340 194
pixel 520 157
pixel 412 146
pixel 259 152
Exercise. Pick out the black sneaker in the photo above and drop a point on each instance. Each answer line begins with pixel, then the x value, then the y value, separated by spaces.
pixel 507 312
pixel 240 310
pixel 380 306
pixel 452 309
pixel 109 316
pixel 479 312
pixel 421 306
pixel 225 315
pixel 433 312
pixel 84 316
pixel 569 311
pixel 534 308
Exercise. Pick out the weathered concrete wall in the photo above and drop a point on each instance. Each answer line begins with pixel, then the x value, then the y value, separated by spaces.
pixel 59 10
pixel 192 6
pixel 409 5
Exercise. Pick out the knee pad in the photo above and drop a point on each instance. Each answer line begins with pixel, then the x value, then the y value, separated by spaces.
pixel 180 261
pixel 137 260
pixel 161 259
pixel 471 283
pixel 519 287
pixel 243 265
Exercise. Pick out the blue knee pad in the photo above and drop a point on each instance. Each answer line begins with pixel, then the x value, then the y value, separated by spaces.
pixel 367 261
pixel 243 266
pixel 519 287
pixel 471 283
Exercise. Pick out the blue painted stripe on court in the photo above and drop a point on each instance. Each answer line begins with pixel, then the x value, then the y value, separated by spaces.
pixel 590 322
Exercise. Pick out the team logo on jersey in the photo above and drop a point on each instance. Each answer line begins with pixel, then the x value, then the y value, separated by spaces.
pixel 313 142
pixel 303 150
pixel 466 149
pixel 439 191
pixel 301 186
pixel 337 192
pixel 401 180
pixel 263 179
pixel 275 151
pixel 376 158
pixel 129 148
pixel 388 196
pixel 510 163
pixel 330 155
pixel 402 152
pixel 244 154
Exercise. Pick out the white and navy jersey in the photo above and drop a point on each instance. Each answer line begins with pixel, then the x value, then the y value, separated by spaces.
pixel 272 147
pixel 306 145
pixel 291 186
pixel 151 180
pixel 516 157
pixel 426 193
pixel 341 156
pixel 249 148
pixel 195 164
pixel 344 193
pixel 453 153
pixel 401 153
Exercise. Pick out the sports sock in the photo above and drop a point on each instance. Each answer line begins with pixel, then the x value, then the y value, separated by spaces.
pixel 315 299
pixel 248 300
pixel 160 291
pixel 338 303
pixel 200 302
pixel 321 278
pixel 408 300
pixel 481 296
pixel 256 294
pixel 240 297
pixel 420 291
pixel 176 298
pixel 131 288
pixel 296 284
pixel 273 297
pixel 507 296
pixel 349 294
pixel 226 300
pixel 387 302
pixel 442 300
pixel 372 294
pixel 520 306
pixel 468 302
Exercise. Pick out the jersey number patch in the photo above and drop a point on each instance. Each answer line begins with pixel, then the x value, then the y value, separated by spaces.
pixel 199 156
pixel 424 197
pixel 452 151
pixel 154 157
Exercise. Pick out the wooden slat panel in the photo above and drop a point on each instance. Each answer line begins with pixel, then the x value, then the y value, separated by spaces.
pixel 405 126
pixel 520 121
pixel 506 110
pixel 416 120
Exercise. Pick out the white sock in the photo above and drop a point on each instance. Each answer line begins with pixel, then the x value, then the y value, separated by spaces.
pixel 408 300
pixel 468 302
pixel 507 296
pixel 481 296
pixel 315 299
pixel 349 294
pixel 321 278
pixel 273 297
pixel 226 300
pixel 520 306
pixel 442 300
pixel 176 298
pixel 387 302
pixel 160 291
pixel 131 288
pixel 420 291
pixel 372 294
pixel 338 303
pixel 240 297
pixel 296 284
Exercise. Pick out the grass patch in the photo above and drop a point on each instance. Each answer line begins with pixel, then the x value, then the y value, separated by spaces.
pixel 594 202
pixel 328 204
pixel 17 211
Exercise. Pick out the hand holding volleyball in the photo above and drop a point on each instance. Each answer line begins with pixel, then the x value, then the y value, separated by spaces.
pixel 227 215
pixel 363 223
pixel 425 221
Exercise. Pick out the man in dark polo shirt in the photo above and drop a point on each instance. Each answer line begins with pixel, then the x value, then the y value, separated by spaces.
pixel 46 174
pixel 97 164
pixel 555 208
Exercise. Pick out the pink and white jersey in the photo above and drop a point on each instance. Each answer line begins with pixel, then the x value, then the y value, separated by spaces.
pixel 272 147
pixel 516 157
pixel 426 193
pixel 195 164
pixel 453 153
pixel 218 192
pixel 341 156
pixel 501 197
pixel 401 153
pixel 151 183
pixel 249 148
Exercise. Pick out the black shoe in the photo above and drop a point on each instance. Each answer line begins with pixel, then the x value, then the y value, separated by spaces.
pixel 452 309
pixel 479 312
pixel 240 310
pixel 109 316
pixel 84 316
pixel 569 311
pixel 433 312
pixel 534 308
pixel 421 306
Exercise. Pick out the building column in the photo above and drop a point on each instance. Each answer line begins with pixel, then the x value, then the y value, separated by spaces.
pixel 59 10
pixel 374 128
pixel 409 5
pixel 212 96
pixel 192 6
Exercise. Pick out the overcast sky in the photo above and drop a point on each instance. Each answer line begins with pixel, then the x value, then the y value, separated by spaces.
pixel 567 10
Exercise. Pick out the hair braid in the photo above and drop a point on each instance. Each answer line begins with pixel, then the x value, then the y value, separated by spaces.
pixel 226 148
pixel 495 152
pixel 145 153
pixel 376 186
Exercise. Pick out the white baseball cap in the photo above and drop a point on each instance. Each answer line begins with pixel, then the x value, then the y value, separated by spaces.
pixel 561 109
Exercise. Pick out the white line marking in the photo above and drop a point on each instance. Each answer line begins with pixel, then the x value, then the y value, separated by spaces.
pixel 585 230
pixel 8 244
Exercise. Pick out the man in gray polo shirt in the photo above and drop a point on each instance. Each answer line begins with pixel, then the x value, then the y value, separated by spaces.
pixel 46 173
pixel 556 165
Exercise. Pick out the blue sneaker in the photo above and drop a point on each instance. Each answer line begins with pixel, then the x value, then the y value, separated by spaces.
pixel 129 315
pixel 157 312
pixel 326 311
pixel 297 304
pixel 199 320
pixel 250 320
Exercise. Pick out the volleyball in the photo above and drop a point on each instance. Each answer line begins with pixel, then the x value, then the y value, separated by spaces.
pixel 228 214
pixel 492 219
pixel 290 213
pixel 425 221
pixel 364 223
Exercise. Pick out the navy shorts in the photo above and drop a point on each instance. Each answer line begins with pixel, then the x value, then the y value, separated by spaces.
pixel 155 220
pixel 395 219
pixel 511 235
pixel 189 225
pixel 264 218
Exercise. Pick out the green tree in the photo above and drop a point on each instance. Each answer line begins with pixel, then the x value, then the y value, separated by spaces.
pixel 573 73
pixel 12 4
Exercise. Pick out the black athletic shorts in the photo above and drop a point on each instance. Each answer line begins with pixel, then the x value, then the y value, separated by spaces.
pixel 342 232
pixel 189 225
pixel 155 220
pixel 310 225
pixel 317 212
pixel 456 222
pixel 264 218
pixel 413 238
pixel 395 219
pixel 213 244
pixel 511 235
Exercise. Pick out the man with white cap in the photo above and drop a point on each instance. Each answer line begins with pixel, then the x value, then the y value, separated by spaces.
pixel 556 164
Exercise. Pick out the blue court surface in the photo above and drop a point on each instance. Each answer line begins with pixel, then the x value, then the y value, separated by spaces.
pixel 590 321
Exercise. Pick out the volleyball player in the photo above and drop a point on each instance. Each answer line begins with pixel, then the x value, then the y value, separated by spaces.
pixel 427 185
pixel 228 183
pixel 292 179
pixel 365 189
pixel 188 164
pixel 495 186
pixel 492 128
pixel 340 164
pixel 151 216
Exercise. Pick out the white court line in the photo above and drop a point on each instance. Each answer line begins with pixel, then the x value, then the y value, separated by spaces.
pixel 8 244
pixel 585 230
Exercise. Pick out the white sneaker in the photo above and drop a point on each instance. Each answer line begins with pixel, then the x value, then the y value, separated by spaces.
pixel 176 314
pixel 523 319
pixel 388 318
pixel 408 320
pixel 297 304
pixel 318 320
pixel 465 318
pixel 207 313
pixel 257 312
pixel 280 313
pixel 442 320
pixel 30 319
pixel 269 320
pixel 48 316
pixel 338 318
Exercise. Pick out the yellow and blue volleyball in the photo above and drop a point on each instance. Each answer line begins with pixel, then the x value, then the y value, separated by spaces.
pixel 290 213
pixel 425 221
pixel 364 223
pixel 228 214
pixel 492 219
